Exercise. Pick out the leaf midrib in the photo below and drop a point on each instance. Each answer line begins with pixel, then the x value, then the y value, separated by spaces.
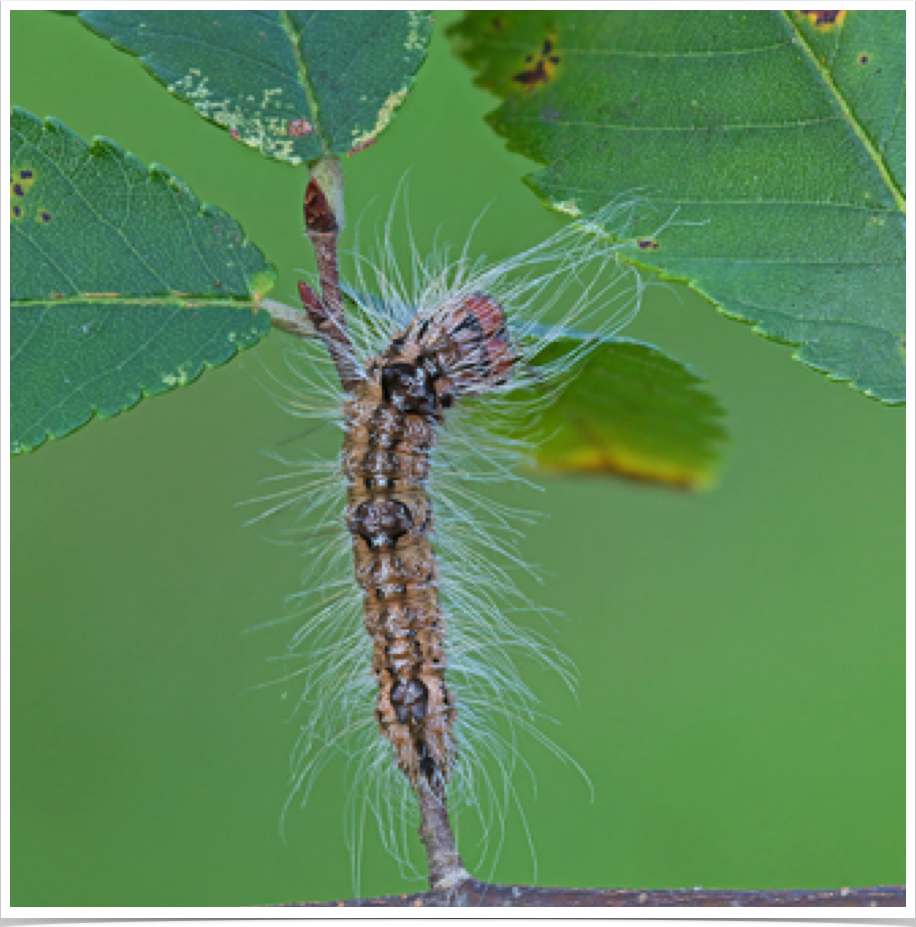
pixel 194 302
pixel 861 134
pixel 293 35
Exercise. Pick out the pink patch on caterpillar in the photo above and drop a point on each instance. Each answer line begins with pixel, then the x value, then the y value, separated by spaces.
pixel 492 318
pixel 488 312
pixel 479 355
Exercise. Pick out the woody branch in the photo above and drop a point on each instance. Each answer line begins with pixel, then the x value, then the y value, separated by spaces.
pixel 472 894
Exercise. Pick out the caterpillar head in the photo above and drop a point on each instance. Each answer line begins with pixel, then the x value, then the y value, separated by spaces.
pixel 459 351
pixel 410 388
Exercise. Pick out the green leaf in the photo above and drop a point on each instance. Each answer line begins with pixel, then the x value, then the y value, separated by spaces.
pixel 764 152
pixel 630 411
pixel 122 284
pixel 297 85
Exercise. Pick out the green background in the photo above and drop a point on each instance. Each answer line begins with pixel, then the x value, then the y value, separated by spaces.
pixel 741 651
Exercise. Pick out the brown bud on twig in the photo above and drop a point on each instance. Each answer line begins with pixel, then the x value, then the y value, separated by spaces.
pixel 322 208
pixel 317 210
pixel 311 302
pixel 323 203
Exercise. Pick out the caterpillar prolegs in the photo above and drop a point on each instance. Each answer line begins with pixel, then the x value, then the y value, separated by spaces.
pixel 447 379
pixel 391 425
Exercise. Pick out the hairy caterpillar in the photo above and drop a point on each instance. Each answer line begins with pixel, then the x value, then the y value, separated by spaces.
pixel 445 352
pixel 390 429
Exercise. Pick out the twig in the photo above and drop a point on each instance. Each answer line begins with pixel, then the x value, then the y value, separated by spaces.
pixel 322 210
pixel 474 894
pixel 446 871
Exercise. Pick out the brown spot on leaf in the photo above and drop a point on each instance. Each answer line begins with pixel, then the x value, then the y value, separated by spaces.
pixel 20 181
pixel 647 244
pixel 45 216
pixel 825 19
pixel 362 146
pixel 541 68
pixel 863 59
pixel 498 23
pixel 298 127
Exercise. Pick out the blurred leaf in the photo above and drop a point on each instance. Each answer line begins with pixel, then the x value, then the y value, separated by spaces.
pixel 632 411
pixel 122 284
pixel 764 152
pixel 295 84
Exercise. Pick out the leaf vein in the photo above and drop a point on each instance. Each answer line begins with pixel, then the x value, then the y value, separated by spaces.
pixel 826 204
pixel 294 35
pixel 729 127
pixel 794 262
pixel 222 50
pixel 898 109
pixel 47 157
pixel 111 371
pixel 628 53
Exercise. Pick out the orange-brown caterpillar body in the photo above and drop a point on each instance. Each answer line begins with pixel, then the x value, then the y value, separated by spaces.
pixel 391 423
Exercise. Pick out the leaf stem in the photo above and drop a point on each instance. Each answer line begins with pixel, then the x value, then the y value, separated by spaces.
pixel 293 34
pixel 288 318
